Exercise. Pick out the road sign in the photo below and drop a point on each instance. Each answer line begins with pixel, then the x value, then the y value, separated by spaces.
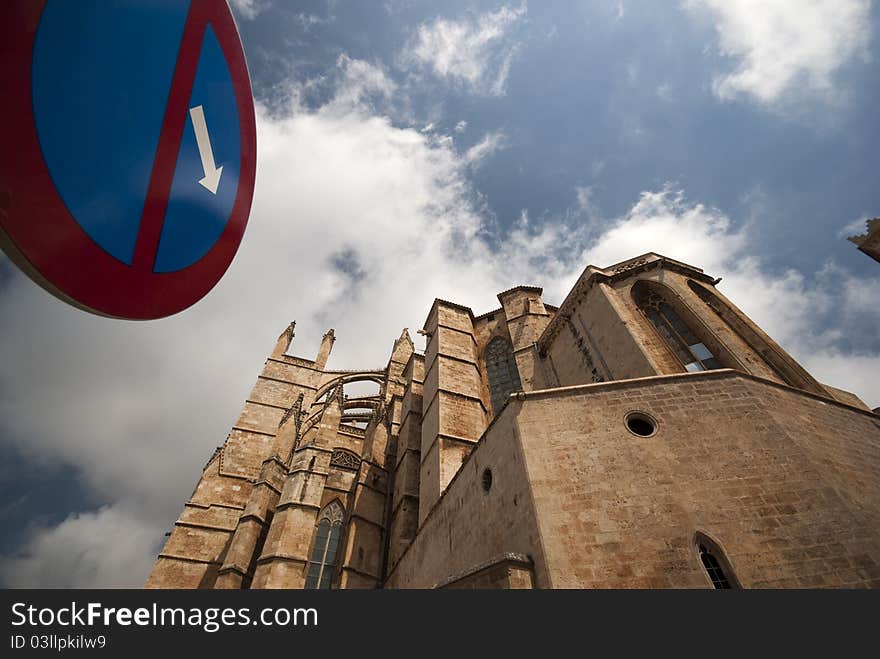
pixel 128 149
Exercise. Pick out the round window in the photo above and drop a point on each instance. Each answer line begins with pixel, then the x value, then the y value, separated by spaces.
pixel 641 424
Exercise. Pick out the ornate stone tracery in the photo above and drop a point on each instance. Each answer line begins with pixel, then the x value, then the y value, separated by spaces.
pixel 333 513
pixel 344 459
pixel 629 265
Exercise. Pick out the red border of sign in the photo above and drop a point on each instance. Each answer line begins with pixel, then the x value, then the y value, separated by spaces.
pixel 55 251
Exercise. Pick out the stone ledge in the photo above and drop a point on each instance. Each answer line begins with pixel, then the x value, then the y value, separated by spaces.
pixel 411 411
pixel 458 394
pixel 232 567
pixel 458 440
pixel 268 558
pixel 349 568
pixel 256 432
pixel 187 559
pixel 359 371
pixel 403 497
pixel 251 401
pixel 371 488
pixel 531 346
pixel 461 360
pixel 206 506
pixel 366 520
pixel 716 374
pixel 290 360
pixel 311 447
pixel 295 504
pixel 402 454
pixel 294 384
pixel 438 301
pixel 489 313
pixel 268 485
pixel 251 517
pixel 337 489
pixel 209 527
pixel 527 313
pixel 511 558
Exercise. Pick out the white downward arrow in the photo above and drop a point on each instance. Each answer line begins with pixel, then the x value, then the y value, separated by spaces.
pixel 212 172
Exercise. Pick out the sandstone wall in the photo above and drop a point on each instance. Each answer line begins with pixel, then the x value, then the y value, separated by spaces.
pixel 786 483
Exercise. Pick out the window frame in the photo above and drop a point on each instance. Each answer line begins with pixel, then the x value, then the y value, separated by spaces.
pixel 332 515
pixel 713 549
pixel 653 304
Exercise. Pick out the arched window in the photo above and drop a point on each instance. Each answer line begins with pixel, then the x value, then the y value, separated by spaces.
pixel 680 338
pixel 502 372
pixel 783 365
pixel 324 547
pixel 715 564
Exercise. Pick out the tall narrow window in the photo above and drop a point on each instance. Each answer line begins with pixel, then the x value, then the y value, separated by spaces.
pixel 692 352
pixel 502 372
pixel 324 548
pixel 713 568
pixel 715 564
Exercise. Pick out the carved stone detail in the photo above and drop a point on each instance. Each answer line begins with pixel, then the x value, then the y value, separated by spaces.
pixel 295 411
pixel 629 265
pixel 352 430
pixel 344 459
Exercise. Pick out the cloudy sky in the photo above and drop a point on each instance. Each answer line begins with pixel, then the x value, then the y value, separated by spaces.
pixel 412 150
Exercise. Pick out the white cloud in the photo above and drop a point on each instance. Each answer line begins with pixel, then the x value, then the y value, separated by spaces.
pixel 664 91
pixel 250 9
pixel 586 209
pixel 632 72
pixel 359 83
pixel 107 547
pixel 631 129
pixel 786 49
pixel 137 408
pixel 812 318
pixel 308 21
pixel 476 51
pixel 855 228
pixel 461 126
pixel 485 148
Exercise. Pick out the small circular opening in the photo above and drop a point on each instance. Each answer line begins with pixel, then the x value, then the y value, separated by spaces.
pixel 487 480
pixel 641 424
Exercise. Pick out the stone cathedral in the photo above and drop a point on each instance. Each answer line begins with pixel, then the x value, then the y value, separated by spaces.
pixel 644 434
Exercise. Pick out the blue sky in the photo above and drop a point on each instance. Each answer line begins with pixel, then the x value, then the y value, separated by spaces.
pixel 412 150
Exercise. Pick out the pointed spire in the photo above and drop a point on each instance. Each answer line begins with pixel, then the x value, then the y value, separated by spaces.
pixel 283 343
pixel 326 347
pixel 404 336
pixel 400 353
pixel 338 396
